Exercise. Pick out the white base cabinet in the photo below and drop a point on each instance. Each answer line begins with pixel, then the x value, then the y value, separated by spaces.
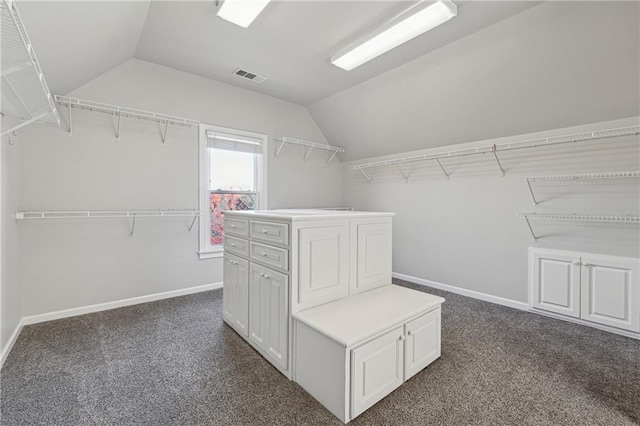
pixel 236 293
pixel 353 352
pixel 596 288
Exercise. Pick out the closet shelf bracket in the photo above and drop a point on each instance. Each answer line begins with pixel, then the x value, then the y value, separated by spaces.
pixel 404 176
pixel 442 168
pixel 369 179
pixel 307 153
pixel 118 128
pixel 533 197
pixel 195 217
pixel 495 154
pixel 133 226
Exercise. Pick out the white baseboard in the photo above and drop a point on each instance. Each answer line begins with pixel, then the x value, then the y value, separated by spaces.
pixel 34 319
pixel 11 342
pixel 464 292
pixel 614 330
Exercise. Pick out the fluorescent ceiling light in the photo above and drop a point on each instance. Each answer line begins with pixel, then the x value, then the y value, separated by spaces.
pixel 409 24
pixel 241 12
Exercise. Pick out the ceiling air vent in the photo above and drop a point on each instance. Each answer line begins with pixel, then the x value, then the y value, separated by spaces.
pixel 256 78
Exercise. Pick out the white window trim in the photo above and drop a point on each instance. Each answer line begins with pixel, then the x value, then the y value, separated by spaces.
pixel 205 251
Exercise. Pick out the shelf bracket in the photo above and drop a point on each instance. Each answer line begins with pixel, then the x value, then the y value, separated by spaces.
pixel 70 122
pixel 493 149
pixel 164 134
pixel 535 202
pixel 133 226
pixel 370 180
pixel 533 235
pixel 405 177
pixel 307 153
pixel 280 147
pixel 441 167
pixel 332 157
pixel 118 129
pixel 193 222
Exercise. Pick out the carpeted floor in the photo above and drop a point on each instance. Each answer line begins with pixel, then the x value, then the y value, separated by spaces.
pixel 173 362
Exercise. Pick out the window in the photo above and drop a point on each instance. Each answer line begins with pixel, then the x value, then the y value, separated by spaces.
pixel 232 177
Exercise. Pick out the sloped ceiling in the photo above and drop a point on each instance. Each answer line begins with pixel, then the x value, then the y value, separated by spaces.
pixel 291 42
pixel 76 41
pixel 557 65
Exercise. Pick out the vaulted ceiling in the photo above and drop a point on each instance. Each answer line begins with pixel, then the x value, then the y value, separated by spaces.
pixel 290 42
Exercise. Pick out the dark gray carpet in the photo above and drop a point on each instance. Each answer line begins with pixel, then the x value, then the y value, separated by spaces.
pixel 173 362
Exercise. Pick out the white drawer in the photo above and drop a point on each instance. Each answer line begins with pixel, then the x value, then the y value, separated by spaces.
pixel 236 245
pixel 235 226
pixel 269 255
pixel 270 232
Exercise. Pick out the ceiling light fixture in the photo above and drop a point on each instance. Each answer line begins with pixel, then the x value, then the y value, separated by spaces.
pixel 411 23
pixel 241 12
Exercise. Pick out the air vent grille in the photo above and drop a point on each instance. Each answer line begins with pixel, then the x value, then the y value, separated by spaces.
pixel 256 78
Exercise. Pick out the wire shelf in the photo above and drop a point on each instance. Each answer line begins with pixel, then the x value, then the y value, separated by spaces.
pixel 125 112
pixel 27 215
pixel 310 145
pixel 25 94
pixel 574 217
pixel 497 148
pixel 582 176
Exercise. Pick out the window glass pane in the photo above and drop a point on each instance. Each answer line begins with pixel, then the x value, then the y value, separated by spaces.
pixel 222 202
pixel 232 170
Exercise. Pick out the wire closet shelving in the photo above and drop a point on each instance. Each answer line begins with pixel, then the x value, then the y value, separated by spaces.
pixel 109 214
pixel 574 217
pixel 25 94
pixel 120 112
pixel 578 176
pixel 309 146
pixel 494 150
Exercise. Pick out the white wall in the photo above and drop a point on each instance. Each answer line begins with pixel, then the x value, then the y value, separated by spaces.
pixel 11 292
pixel 464 231
pixel 77 263
pixel 558 64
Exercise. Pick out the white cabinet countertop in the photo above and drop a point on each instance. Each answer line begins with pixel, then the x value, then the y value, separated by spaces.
pixel 354 319
pixel 303 214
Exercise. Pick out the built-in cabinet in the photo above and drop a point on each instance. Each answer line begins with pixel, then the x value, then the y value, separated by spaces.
pixel 280 262
pixel 353 352
pixel 596 288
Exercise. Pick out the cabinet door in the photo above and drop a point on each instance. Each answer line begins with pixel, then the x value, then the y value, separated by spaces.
pixel 373 256
pixel 422 343
pixel 611 291
pixel 269 309
pixel 556 282
pixel 276 293
pixel 376 370
pixel 323 273
pixel 235 293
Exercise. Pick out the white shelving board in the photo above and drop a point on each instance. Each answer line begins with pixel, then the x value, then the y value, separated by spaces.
pixel 309 146
pixel 108 214
pixel 26 98
pixel 575 217
pixel 582 176
pixel 496 149
pixel 126 112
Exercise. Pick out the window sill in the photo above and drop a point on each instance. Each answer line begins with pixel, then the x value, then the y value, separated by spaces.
pixel 213 254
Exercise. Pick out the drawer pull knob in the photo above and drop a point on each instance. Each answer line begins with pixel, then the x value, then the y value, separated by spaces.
pixel 233 226
pixel 264 231
pixel 266 275
pixel 264 254
pixel 233 244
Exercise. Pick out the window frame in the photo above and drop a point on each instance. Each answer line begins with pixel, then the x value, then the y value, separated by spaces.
pixel 206 250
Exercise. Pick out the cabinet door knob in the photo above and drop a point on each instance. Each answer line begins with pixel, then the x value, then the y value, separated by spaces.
pixel 409 333
pixel 401 337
